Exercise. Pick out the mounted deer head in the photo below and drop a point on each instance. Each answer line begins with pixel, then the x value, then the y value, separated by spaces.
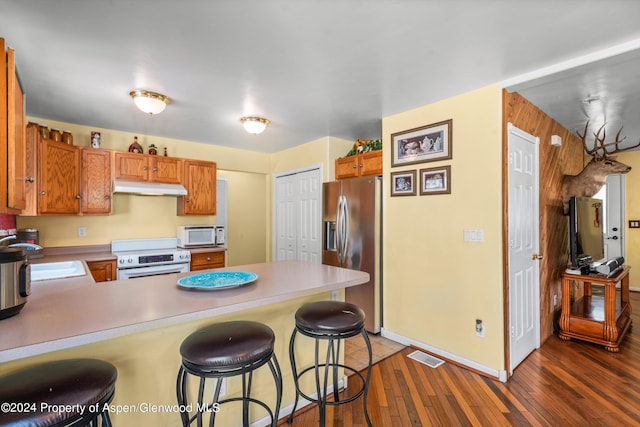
pixel 594 175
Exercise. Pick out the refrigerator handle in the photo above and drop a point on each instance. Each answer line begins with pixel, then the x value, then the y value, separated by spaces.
pixel 339 230
pixel 344 230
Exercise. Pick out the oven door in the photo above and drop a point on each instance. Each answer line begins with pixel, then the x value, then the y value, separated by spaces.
pixel 132 273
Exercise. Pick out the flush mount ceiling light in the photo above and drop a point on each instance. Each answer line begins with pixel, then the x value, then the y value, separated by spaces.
pixel 254 125
pixel 149 102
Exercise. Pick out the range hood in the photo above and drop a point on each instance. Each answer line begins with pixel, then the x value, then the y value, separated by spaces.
pixel 148 188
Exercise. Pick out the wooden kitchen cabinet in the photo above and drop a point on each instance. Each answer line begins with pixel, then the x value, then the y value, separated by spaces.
pixel 58 178
pixel 144 167
pixel 103 271
pixel 12 135
pixel 205 260
pixel 359 165
pixel 95 181
pixel 199 178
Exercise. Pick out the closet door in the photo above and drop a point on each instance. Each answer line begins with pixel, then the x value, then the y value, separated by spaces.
pixel 297 224
pixel 308 241
pixel 286 218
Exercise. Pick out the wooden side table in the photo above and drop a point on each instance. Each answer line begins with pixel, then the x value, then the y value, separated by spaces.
pixel 595 318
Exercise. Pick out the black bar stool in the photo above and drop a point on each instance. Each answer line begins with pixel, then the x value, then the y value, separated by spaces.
pixel 58 393
pixel 332 321
pixel 225 350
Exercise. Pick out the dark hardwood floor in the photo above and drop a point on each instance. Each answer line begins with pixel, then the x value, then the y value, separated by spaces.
pixel 564 383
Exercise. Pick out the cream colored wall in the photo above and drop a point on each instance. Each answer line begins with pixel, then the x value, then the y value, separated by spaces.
pixel 632 211
pixel 136 216
pixel 436 285
pixel 321 151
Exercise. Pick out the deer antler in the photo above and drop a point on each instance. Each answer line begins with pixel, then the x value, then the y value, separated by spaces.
pixel 599 144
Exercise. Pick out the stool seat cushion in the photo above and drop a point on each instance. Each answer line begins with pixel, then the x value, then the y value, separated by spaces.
pixel 75 384
pixel 228 345
pixel 330 317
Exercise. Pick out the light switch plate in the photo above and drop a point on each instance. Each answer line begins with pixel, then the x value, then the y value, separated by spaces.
pixel 473 235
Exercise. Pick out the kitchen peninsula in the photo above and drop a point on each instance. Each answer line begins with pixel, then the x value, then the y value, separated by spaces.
pixel 138 326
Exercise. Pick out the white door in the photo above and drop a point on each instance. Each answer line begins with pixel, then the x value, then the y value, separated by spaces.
pixel 612 194
pixel 297 216
pixel 309 225
pixel 285 218
pixel 524 269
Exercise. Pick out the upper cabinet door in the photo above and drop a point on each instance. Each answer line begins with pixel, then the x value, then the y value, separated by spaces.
pixel 16 138
pixel 96 181
pixel 200 182
pixel 131 166
pixel 166 169
pixel 59 182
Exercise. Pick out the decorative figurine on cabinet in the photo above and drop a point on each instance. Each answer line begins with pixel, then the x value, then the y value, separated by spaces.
pixel 95 139
pixel 153 150
pixel 135 147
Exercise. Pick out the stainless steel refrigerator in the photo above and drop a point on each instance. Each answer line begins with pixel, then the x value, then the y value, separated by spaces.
pixel 352 228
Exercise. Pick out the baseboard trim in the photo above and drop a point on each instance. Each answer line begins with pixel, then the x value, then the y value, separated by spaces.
pixel 500 375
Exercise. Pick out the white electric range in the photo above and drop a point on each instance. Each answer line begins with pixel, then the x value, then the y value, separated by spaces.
pixel 149 257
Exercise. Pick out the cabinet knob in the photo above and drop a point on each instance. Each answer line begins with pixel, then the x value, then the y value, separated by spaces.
pixel 29 179
pixel 361 165
pixel 155 169
pixel 107 197
pixel 78 196
pixel 208 258
pixel 187 200
pixel 355 166
pixel 145 168
pixel 42 193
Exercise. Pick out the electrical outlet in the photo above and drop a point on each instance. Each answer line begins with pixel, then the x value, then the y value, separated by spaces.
pixel 334 295
pixel 82 231
pixel 479 328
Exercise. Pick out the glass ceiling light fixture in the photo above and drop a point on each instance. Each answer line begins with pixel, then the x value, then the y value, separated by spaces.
pixel 149 102
pixel 254 125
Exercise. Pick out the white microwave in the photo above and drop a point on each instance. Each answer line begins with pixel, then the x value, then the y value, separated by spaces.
pixel 190 236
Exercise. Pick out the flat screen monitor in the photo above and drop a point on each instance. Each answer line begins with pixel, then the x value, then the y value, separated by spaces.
pixel 586 239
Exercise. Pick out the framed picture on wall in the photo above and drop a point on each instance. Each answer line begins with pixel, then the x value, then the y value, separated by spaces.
pixel 403 183
pixel 424 144
pixel 435 180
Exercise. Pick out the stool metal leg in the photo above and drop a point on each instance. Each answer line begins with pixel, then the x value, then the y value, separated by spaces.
pixel 181 392
pixel 277 376
pixel 366 384
pixel 295 374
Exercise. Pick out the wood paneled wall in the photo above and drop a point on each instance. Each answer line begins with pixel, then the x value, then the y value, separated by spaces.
pixel 555 162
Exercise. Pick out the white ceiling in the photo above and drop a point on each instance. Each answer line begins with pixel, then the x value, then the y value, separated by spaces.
pixel 314 68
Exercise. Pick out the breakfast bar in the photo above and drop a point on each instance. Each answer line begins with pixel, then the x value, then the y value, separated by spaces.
pixel 137 325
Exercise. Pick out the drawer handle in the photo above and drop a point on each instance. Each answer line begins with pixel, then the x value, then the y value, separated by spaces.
pixel 208 258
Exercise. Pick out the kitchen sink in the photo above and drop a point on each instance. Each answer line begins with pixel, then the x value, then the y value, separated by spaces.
pixel 57 270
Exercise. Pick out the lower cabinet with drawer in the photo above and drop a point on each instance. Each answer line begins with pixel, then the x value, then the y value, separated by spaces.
pixel 205 260
pixel 103 271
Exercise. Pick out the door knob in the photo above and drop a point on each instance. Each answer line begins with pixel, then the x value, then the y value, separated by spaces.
pixel 536 256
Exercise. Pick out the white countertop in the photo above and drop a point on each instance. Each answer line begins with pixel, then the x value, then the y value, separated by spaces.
pixel 70 312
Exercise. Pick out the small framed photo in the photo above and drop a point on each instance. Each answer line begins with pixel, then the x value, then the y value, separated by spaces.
pixel 403 183
pixel 435 180
pixel 424 144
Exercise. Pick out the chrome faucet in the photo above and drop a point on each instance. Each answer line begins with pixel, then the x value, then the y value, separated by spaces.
pixel 10 237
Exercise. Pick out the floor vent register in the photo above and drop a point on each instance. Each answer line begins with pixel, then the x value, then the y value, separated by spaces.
pixel 426 359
